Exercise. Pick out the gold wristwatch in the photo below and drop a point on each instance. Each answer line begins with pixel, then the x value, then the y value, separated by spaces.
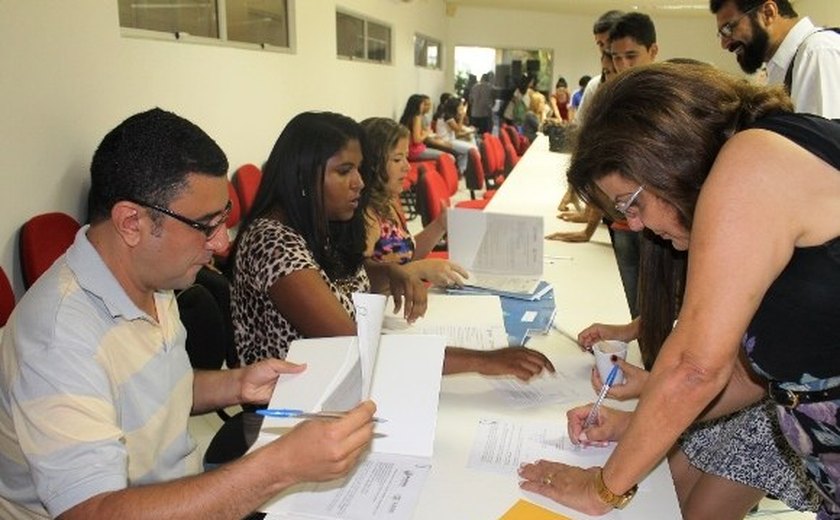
pixel 610 498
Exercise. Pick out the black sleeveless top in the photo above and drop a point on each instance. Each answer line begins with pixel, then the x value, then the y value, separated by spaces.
pixel 795 334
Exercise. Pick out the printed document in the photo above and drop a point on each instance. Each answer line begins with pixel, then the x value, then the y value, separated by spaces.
pixel 474 321
pixel 500 446
pixel 501 252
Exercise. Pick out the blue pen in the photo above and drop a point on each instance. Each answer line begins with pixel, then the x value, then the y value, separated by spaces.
pixel 593 413
pixel 300 414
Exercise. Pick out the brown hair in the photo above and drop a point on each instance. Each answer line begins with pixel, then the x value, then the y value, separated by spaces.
pixel 381 136
pixel 663 125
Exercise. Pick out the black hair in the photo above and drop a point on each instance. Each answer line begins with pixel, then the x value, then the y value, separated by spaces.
pixel 147 157
pixel 637 26
pixel 293 182
pixel 584 80
pixel 412 109
pixel 785 8
pixel 606 21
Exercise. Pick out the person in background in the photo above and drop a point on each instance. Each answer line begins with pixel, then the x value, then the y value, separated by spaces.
pixel 451 129
pixel 759 309
pixel 413 118
pixel 601 31
pixel 802 57
pixel 96 383
pixel 577 96
pixel 537 116
pixel 632 41
pixel 481 105
pixel 299 255
pixel 560 101
pixel 517 107
pixel 388 238
pixel 389 241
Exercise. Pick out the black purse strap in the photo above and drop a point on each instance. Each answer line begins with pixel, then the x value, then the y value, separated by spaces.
pixel 789 73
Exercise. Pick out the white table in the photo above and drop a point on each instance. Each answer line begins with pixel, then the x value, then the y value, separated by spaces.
pixel 587 289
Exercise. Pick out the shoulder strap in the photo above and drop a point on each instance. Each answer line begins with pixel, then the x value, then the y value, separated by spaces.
pixel 789 73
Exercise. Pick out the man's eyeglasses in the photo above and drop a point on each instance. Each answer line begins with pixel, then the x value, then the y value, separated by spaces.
pixel 624 206
pixel 209 229
pixel 726 30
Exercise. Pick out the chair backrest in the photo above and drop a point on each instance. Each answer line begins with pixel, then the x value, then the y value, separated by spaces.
pixel 246 180
pixel 474 175
pixel 414 172
pixel 495 156
pixel 7 298
pixel 448 170
pixel 517 139
pixel 43 239
pixel 432 196
pixel 511 157
pixel 235 208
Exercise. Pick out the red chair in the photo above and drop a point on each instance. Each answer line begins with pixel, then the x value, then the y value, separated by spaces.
pixel 43 239
pixel 432 196
pixel 235 208
pixel 7 298
pixel 474 176
pixel 511 156
pixel 231 222
pixel 246 180
pixel 494 160
pixel 448 170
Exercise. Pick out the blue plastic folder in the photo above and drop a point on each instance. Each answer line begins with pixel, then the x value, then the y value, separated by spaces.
pixel 525 315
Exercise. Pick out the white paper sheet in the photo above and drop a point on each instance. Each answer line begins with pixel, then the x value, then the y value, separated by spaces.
pixel 370 310
pixel 500 446
pixel 474 321
pixel 381 487
pixel 500 251
pixel 542 389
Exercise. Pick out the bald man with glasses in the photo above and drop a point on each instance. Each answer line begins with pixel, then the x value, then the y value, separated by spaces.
pixel 799 55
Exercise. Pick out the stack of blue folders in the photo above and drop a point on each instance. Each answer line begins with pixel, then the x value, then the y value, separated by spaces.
pixel 525 315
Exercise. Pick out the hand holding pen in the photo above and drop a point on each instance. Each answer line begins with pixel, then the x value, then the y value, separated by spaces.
pixel 596 424
pixel 289 413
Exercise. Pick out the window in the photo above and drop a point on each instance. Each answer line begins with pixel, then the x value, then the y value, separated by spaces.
pixel 261 22
pixel 360 38
pixel 427 52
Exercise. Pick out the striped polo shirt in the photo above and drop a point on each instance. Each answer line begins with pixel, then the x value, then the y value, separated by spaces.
pixel 95 394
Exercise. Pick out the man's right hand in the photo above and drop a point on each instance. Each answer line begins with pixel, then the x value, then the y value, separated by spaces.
pixel 318 450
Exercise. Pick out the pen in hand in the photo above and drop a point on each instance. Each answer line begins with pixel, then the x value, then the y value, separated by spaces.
pixel 300 414
pixel 593 413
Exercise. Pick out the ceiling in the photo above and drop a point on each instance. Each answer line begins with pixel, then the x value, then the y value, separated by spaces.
pixel 595 7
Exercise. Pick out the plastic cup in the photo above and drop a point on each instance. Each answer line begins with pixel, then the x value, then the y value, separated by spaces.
pixel 604 350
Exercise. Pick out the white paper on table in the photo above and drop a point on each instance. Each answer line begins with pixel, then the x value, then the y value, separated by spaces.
pixel 332 379
pixel 500 446
pixel 370 310
pixel 474 321
pixel 405 388
pixel 500 251
pixel 542 389
pixel 383 486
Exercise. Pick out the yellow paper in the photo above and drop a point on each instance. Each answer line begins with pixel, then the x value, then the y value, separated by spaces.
pixel 523 510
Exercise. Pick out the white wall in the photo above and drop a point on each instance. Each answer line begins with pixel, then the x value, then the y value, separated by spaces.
pixel 822 12
pixel 67 76
pixel 571 40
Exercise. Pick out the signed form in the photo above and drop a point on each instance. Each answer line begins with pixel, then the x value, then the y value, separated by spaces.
pixel 500 446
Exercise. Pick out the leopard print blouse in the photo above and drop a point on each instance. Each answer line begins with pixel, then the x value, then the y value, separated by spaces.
pixel 268 250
